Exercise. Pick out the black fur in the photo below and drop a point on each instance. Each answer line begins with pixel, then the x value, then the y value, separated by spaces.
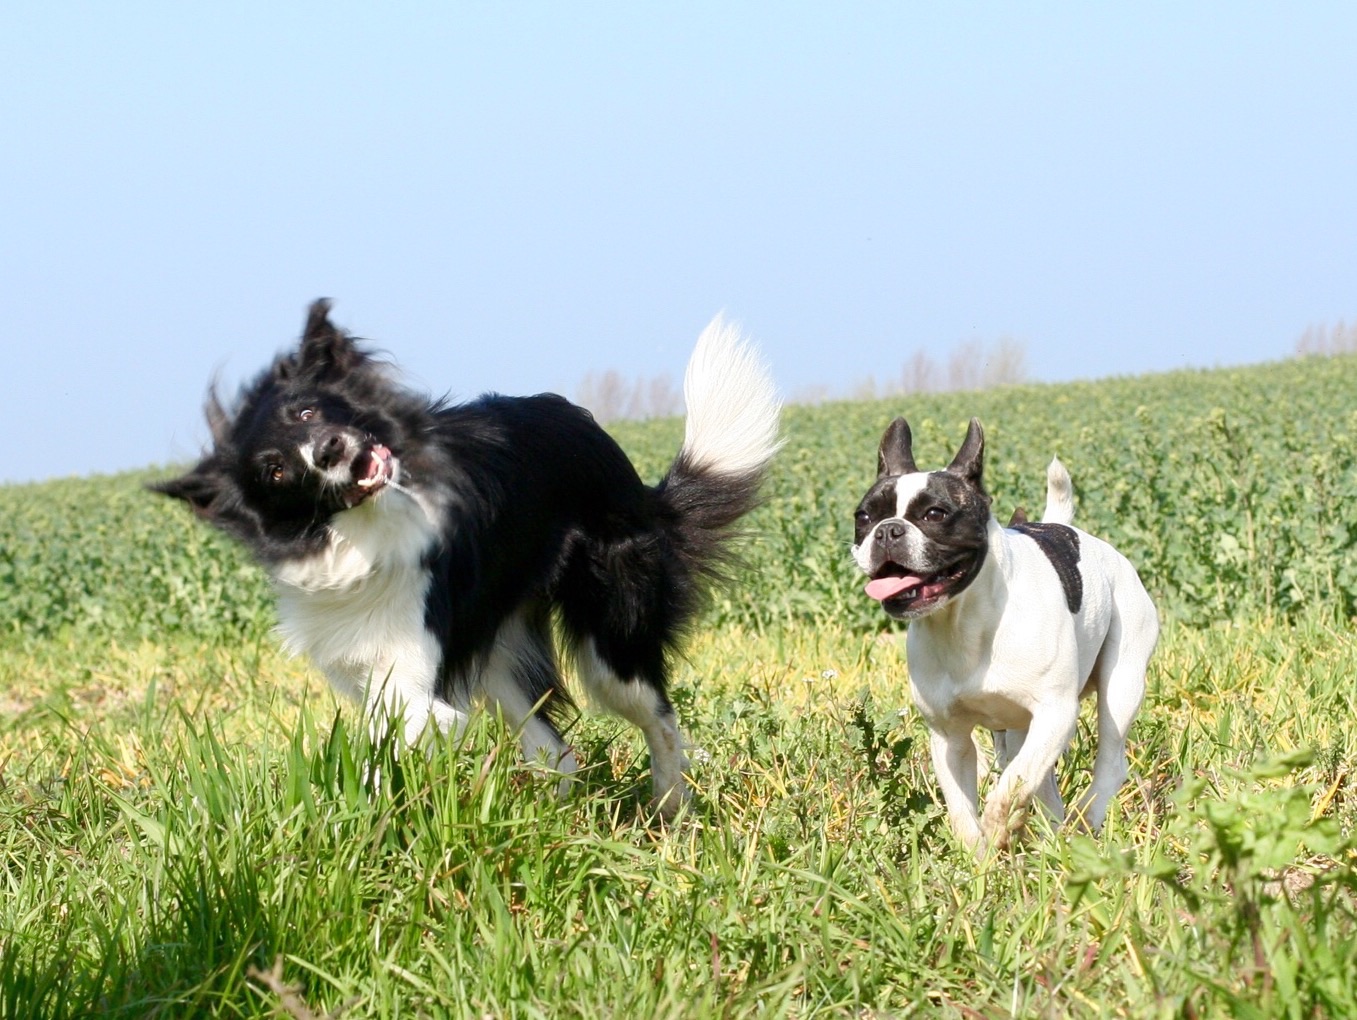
pixel 1061 546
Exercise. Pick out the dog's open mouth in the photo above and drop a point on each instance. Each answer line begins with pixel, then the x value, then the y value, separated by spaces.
pixel 372 471
pixel 900 589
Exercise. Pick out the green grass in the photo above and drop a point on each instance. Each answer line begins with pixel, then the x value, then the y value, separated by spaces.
pixel 185 828
pixel 175 824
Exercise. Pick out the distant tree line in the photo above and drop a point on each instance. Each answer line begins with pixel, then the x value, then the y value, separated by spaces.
pixel 971 366
pixel 611 397
pixel 1324 341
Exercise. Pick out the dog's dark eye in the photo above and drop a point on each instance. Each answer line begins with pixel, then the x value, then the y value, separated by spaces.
pixel 274 472
pixel 306 414
pixel 934 514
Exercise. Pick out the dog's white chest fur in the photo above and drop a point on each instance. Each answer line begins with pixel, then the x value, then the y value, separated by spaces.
pixel 357 607
pixel 1009 642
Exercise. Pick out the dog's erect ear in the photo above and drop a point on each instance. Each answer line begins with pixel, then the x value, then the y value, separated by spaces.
pixel 318 324
pixel 895 455
pixel 325 349
pixel 1019 516
pixel 969 461
pixel 199 489
pixel 218 421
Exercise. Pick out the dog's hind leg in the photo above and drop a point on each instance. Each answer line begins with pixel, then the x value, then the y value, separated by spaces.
pixel 623 605
pixel 1002 755
pixel 521 681
pixel 1120 677
pixel 1048 794
pixel 641 701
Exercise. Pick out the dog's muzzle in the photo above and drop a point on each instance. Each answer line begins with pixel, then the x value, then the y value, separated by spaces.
pixel 373 469
pixel 909 581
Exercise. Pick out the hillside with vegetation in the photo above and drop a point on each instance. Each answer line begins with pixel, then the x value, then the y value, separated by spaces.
pixel 185 827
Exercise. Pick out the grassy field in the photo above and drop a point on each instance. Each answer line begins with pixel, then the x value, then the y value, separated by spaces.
pixel 184 829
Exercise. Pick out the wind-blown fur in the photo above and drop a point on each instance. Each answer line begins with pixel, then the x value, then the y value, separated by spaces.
pixel 421 549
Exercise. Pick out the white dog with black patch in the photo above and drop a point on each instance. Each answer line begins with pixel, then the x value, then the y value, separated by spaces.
pixel 1009 628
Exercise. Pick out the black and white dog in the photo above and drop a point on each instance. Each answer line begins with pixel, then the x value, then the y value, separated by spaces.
pixel 1008 629
pixel 420 550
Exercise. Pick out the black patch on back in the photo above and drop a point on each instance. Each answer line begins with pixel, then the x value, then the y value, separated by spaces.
pixel 1060 543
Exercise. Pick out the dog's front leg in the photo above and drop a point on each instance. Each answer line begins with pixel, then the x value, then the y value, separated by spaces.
pixel 1007 744
pixel 542 744
pixel 956 763
pixel 1030 774
pixel 404 692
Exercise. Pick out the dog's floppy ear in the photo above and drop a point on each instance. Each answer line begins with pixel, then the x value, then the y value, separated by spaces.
pixel 199 488
pixel 325 349
pixel 895 455
pixel 969 461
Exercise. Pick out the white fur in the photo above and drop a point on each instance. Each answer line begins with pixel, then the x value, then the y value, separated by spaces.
pixel 732 404
pixel 1008 655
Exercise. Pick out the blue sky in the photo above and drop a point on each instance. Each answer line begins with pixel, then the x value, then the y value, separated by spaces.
pixel 509 196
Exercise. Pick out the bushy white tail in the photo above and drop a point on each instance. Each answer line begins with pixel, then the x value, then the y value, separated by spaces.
pixel 1059 495
pixel 733 407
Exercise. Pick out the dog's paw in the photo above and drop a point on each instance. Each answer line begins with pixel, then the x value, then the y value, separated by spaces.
pixel 667 805
pixel 1003 819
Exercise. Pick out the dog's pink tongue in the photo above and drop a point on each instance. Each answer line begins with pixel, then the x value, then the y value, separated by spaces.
pixel 377 465
pixel 885 587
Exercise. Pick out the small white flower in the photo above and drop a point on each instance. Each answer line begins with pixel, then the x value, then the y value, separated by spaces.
pixel 828 674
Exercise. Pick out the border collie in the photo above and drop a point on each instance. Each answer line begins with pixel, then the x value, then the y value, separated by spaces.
pixel 420 549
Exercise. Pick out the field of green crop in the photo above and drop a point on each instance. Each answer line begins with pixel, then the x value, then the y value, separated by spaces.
pixel 184 827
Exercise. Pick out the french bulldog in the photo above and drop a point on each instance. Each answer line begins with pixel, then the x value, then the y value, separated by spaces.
pixel 1008 629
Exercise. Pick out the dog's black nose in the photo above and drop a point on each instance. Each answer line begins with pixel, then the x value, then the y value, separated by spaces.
pixel 330 452
pixel 891 531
